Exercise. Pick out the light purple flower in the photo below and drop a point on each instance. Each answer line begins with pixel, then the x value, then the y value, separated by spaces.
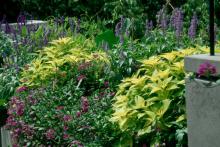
pixel 119 27
pixel 162 19
pixel 72 24
pixel 148 26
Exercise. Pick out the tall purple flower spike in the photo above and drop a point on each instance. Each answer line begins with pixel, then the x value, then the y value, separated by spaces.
pixel 177 21
pixel 193 27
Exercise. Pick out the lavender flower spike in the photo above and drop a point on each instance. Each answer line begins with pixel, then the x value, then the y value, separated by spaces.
pixel 148 26
pixel 193 27
pixel 177 22
pixel 162 19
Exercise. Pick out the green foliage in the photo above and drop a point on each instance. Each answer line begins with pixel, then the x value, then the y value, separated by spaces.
pixel 6 48
pixel 151 103
pixel 67 79
pixel 45 109
pixel 107 37
pixel 8 83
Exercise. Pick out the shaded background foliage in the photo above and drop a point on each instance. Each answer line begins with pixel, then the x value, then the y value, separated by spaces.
pixel 108 9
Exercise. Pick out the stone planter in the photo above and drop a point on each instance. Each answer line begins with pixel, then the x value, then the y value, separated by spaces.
pixel 5 138
pixel 202 105
pixel 29 23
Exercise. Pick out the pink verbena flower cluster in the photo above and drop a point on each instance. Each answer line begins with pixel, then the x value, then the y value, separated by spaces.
pixel 206 69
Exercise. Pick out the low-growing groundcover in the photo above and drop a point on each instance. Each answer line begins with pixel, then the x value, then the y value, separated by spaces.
pixel 64 99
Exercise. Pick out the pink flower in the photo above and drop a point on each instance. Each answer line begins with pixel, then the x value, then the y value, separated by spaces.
pixel 83 66
pixel 28 130
pixel 50 134
pixel 106 83
pixel 67 118
pixel 78 114
pixel 112 94
pixel 32 100
pixel 21 89
pixel 206 69
pixel 85 104
pixel 60 107
pixel 81 77
pixel 11 122
pixel 16 133
pixel 65 128
pixel 76 142
pixel 65 136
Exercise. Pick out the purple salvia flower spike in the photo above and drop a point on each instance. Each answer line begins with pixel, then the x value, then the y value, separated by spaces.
pixel 71 23
pixel 193 27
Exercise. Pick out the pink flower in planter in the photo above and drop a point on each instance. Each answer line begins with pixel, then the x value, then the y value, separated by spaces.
pixel 21 89
pixel 206 69
pixel 50 134
pixel 67 118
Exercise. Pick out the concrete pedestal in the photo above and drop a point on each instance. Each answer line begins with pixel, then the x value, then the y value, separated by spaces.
pixel 202 106
pixel 203 114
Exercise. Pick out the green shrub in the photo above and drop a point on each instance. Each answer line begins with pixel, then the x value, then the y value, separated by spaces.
pixel 6 48
pixel 8 83
pixel 65 97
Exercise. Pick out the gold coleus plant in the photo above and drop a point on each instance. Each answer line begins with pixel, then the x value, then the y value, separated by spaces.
pixel 143 102
pixel 72 51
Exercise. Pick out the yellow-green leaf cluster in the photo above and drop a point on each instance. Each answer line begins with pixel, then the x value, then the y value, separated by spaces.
pixel 142 101
pixel 63 51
